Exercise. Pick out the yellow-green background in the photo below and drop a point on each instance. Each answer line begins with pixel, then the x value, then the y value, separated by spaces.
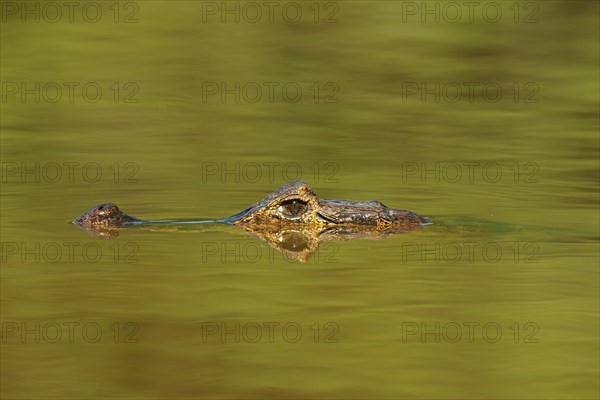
pixel 366 288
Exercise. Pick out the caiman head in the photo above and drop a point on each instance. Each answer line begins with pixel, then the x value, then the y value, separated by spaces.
pixel 105 216
pixel 295 204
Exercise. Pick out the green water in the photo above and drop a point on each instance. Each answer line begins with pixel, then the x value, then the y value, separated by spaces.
pixel 497 299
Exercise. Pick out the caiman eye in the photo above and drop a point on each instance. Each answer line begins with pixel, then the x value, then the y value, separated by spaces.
pixel 293 208
pixel 106 209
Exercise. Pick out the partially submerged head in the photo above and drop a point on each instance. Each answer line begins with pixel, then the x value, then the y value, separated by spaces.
pixel 105 215
pixel 295 203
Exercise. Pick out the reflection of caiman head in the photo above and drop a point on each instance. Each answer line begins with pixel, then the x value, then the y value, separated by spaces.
pixel 300 244
pixel 295 204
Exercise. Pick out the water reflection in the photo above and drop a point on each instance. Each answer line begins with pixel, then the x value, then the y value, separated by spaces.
pixel 301 244
pixel 297 243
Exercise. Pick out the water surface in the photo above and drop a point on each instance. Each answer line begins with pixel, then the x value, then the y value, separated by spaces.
pixel 497 299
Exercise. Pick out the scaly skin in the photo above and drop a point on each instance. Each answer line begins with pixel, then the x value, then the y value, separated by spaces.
pixel 295 204
pixel 105 216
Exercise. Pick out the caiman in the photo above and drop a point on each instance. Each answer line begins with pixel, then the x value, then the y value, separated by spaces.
pixel 292 218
